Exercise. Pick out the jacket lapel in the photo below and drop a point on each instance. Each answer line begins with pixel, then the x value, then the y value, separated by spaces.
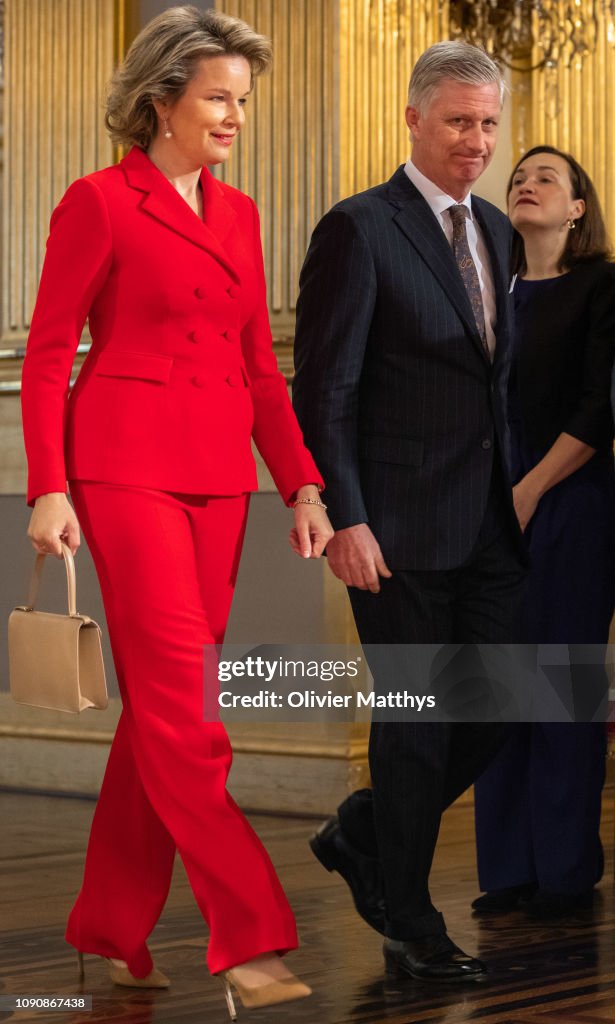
pixel 163 202
pixel 415 218
pixel 498 241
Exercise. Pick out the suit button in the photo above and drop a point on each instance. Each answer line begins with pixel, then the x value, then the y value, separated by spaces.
pixel 200 293
pixel 199 382
pixel 486 444
pixel 196 337
pixel 233 291
pixel 233 380
pixel 230 335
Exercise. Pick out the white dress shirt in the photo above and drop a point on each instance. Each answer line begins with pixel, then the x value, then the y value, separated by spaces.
pixel 439 202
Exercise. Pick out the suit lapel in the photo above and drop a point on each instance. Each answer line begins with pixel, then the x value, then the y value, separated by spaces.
pixel 418 223
pixel 497 240
pixel 163 202
pixel 415 218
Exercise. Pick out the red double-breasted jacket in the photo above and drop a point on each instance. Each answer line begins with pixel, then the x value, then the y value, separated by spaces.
pixel 181 372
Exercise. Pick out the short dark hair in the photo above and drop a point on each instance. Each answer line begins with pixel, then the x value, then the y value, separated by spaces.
pixel 589 240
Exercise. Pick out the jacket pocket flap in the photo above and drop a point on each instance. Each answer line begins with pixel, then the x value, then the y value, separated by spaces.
pixel 141 365
pixel 402 451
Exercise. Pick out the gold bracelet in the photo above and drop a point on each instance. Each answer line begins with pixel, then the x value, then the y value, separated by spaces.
pixel 310 501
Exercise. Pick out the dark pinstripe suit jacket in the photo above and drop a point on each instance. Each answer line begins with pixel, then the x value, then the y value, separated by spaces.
pixel 398 402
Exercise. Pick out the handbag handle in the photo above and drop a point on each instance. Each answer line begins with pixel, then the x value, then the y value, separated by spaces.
pixel 71 581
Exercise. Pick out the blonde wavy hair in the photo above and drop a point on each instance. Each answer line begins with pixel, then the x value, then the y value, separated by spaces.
pixel 162 60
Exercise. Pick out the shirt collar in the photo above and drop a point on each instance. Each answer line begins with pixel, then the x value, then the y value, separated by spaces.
pixel 433 195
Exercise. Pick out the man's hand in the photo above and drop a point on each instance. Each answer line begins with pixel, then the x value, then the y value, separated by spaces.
pixel 355 558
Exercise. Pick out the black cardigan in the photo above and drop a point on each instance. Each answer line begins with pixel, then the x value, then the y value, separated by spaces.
pixel 565 351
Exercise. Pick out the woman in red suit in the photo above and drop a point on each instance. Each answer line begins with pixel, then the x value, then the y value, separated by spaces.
pixel 154 441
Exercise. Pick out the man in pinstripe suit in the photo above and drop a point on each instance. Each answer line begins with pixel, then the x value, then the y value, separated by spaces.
pixel 401 362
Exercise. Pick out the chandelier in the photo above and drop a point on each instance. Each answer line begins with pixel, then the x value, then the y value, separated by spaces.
pixel 561 33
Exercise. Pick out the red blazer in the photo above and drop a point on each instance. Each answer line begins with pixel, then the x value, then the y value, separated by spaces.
pixel 181 372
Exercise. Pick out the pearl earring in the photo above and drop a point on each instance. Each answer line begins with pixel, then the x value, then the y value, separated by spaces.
pixel 166 130
pixel 571 224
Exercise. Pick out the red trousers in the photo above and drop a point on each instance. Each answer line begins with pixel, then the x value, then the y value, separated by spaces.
pixel 167 565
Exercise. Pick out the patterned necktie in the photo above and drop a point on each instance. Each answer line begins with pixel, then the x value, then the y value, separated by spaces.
pixel 467 269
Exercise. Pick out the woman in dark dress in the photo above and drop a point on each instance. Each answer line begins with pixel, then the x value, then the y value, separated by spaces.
pixel 538 805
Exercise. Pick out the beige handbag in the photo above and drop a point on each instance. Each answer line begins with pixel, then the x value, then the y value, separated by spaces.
pixel 55 661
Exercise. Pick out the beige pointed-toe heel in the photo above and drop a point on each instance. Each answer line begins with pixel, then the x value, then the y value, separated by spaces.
pixel 120 975
pixel 272 992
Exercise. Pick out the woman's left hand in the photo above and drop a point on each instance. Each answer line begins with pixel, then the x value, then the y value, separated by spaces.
pixel 525 500
pixel 312 530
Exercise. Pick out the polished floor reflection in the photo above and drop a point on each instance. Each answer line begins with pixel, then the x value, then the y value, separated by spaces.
pixel 560 974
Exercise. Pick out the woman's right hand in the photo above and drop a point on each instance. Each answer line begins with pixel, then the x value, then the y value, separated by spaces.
pixel 53 520
pixel 525 501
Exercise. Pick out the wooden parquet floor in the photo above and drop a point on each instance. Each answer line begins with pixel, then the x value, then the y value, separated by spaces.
pixel 561 974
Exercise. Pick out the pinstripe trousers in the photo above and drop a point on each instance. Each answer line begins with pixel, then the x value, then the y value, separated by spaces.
pixel 418 769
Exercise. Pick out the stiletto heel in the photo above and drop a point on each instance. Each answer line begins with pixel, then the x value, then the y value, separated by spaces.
pixel 272 992
pixel 228 995
pixel 120 975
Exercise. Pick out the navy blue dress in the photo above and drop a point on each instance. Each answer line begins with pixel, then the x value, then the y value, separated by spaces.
pixel 538 804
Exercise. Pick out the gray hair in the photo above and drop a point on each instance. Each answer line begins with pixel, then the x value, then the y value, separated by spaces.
pixel 162 60
pixel 451 59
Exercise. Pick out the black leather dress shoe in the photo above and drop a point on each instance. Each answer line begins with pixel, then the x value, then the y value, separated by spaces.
pixel 361 873
pixel 432 958
pixel 503 901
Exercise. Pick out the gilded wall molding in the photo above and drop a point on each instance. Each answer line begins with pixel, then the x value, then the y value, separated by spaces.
pixel 287 157
pixel 379 43
pixel 58 58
